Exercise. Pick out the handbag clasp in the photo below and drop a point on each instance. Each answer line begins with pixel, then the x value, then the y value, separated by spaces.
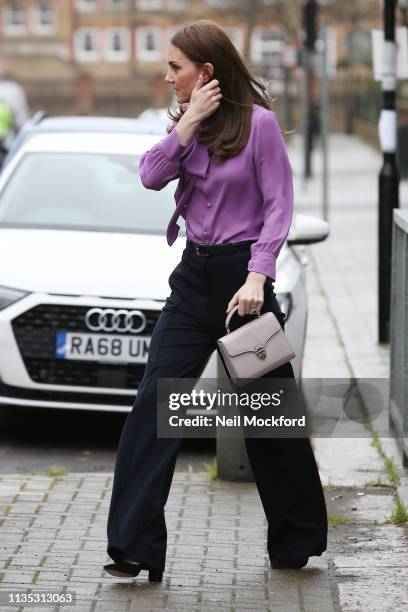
pixel 260 351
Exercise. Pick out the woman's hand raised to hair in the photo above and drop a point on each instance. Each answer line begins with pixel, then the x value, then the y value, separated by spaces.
pixel 204 99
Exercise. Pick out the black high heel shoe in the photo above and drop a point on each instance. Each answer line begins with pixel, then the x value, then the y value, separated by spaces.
pixel 121 569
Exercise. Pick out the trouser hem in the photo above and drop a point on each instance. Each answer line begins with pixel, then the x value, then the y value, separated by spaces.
pixel 119 554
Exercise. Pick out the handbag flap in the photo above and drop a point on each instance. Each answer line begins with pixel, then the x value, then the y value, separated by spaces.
pixel 255 333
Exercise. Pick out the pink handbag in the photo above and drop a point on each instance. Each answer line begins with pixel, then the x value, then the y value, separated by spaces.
pixel 255 348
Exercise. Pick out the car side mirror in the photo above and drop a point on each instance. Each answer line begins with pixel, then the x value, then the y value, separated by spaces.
pixel 306 229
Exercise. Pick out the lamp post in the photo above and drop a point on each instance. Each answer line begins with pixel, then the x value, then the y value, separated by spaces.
pixel 310 36
pixel 388 183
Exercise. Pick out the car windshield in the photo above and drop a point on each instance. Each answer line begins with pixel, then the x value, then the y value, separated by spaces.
pixel 92 191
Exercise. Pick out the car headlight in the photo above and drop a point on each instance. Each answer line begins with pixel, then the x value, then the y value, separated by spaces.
pixel 9 296
pixel 285 303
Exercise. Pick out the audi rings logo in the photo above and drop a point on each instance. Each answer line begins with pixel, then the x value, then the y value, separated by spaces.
pixel 110 320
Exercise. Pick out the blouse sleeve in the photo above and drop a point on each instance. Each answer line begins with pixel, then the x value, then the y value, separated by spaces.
pixel 275 181
pixel 161 164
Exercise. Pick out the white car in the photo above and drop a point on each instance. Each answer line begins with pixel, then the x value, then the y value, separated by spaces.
pixel 84 267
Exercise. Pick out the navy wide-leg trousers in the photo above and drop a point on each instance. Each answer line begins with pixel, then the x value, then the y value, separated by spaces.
pixel 285 469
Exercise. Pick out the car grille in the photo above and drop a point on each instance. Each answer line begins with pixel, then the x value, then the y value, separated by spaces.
pixel 35 332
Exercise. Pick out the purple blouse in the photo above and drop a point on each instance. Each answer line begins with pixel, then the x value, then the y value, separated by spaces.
pixel 247 197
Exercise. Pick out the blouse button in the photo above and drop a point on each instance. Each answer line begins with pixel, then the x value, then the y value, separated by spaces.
pixel 209 204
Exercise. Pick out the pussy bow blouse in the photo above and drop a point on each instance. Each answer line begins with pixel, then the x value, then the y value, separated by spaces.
pixel 246 197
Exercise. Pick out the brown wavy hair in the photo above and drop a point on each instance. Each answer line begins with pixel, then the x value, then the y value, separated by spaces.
pixel 227 129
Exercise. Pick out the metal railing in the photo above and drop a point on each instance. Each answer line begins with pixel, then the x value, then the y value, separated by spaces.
pixel 398 405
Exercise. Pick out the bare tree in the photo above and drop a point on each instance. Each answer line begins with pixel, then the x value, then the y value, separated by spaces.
pixel 252 13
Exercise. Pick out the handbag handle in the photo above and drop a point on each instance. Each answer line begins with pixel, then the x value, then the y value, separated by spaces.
pixel 229 317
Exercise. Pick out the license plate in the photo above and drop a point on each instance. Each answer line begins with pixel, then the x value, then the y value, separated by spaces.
pixel 98 347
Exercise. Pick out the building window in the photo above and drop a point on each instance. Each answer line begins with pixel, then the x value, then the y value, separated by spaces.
pixel 221 4
pixel 117 5
pixel 86 5
pixel 237 37
pixel 43 18
pixel 169 33
pixel 177 5
pixel 149 5
pixel 86 44
pixel 117 45
pixel 359 47
pixel 266 45
pixel 14 18
pixel 148 44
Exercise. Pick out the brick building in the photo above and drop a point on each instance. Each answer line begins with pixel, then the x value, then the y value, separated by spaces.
pixel 109 56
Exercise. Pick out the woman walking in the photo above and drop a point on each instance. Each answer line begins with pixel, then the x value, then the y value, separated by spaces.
pixel 236 195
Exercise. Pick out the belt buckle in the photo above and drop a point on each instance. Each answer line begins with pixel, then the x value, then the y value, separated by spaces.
pixel 197 248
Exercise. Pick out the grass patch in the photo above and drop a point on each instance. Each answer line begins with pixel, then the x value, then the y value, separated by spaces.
pixel 211 469
pixel 329 486
pixel 389 465
pixel 57 470
pixel 399 514
pixel 392 471
pixel 377 483
pixel 376 442
pixel 336 519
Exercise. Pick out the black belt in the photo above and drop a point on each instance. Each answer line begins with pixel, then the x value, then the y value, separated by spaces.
pixel 214 249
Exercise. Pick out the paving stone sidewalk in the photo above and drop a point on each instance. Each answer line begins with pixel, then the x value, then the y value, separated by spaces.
pixel 53 534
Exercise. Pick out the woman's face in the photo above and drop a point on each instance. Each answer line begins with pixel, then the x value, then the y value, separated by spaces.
pixel 182 74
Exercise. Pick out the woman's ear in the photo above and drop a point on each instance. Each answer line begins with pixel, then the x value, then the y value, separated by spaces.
pixel 208 72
